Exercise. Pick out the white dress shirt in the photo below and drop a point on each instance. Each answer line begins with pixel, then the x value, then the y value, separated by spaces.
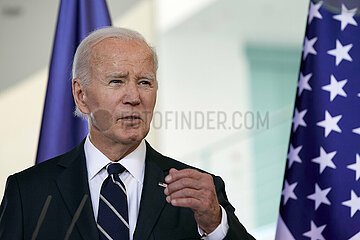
pixel 133 179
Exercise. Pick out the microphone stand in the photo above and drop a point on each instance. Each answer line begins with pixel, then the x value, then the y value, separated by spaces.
pixel 42 216
pixel 76 216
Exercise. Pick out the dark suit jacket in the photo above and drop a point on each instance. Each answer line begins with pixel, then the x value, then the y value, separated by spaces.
pixel 65 179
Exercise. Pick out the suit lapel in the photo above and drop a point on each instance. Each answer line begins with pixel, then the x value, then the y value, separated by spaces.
pixel 152 197
pixel 73 185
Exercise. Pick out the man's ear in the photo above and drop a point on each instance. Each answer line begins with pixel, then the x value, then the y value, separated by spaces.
pixel 79 96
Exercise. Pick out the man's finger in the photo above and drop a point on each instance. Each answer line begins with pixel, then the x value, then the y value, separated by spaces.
pixel 191 203
pixel 185 173
pixel 182 184
pixel 186 193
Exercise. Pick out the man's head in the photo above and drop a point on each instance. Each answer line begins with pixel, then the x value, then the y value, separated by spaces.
pixel 114 84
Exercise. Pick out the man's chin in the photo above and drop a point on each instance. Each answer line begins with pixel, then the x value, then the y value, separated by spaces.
pixel 131 138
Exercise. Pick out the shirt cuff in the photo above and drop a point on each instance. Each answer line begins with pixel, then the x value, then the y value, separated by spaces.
pixel 220 232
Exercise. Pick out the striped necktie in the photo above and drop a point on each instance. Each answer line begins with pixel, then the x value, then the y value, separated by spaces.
pixel 112 219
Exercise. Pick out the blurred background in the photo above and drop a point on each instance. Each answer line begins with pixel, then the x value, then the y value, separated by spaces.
pixel 227 82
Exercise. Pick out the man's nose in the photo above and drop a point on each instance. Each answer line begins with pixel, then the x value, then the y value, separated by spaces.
pixel 132 94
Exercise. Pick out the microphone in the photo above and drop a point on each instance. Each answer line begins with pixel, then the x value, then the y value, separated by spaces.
pixel 76 216
pixel 42 216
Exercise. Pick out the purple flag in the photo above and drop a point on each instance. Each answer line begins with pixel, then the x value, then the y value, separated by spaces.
pixel 60 129
pixel 321 190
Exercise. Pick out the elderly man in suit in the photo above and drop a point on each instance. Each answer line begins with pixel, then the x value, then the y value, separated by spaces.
pixel 134 192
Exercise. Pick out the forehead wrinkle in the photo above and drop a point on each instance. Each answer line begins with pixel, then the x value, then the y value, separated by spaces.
pixel 148 76
pixel 118 61
pixel 137 46
pixel 118 75
pixel 104 53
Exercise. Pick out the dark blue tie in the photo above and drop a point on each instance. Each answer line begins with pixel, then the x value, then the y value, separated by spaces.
pixel 113 218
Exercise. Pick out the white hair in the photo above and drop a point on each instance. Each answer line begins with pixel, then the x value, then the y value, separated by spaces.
pixel 81 64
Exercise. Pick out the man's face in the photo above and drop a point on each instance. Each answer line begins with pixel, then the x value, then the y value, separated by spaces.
pixel 121 95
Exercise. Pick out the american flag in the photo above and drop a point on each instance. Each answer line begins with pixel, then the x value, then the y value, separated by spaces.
pixel 321 190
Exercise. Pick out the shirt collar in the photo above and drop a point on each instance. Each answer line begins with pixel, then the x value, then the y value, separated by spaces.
pixel 134 162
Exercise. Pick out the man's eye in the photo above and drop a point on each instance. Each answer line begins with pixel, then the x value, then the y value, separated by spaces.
pixel 144 82
pixel 115 81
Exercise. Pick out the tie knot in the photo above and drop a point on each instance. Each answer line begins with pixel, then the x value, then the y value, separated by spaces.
pixel 115 168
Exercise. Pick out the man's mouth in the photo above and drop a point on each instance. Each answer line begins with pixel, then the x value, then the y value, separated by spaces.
pixel 131 117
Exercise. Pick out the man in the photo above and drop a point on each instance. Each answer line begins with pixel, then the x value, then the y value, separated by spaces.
pixel 147 195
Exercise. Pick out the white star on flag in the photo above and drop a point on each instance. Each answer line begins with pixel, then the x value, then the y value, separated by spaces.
pixel 315 232
pixel 335 87
pixel 346 17
pixel 353 203
pixel 330 123
pixel 356 130
pixel 324 160
pixel 320 196
pixel 314 11
pixel 288 191
pixel 293 155
pixel 341 52
pixel 298 119
pixel 309 47
pixel 304 83
pixel 356 167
